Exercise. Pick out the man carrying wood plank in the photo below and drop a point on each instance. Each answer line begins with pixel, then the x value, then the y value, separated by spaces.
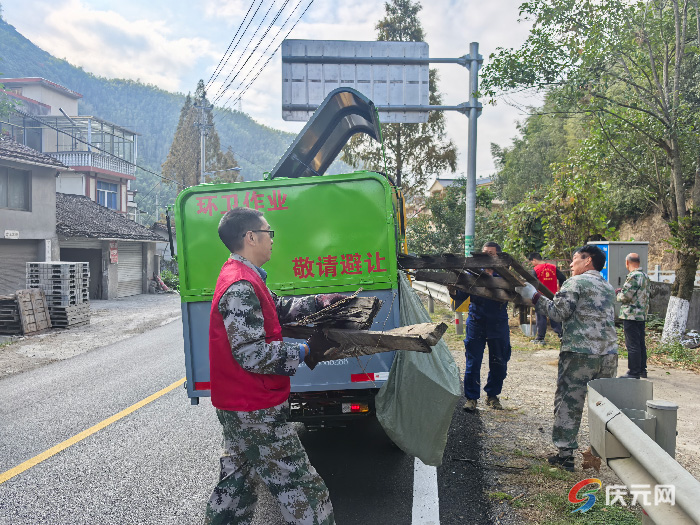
pixel 250 366
pixel 585 307
pixel 487 323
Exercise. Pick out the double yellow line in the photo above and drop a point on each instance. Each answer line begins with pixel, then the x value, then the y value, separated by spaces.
pixel 9 474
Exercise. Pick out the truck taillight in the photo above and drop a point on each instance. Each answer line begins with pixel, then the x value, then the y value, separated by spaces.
pixel 355 408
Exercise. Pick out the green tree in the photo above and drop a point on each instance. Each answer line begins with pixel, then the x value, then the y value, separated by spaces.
pixel 440 229
pixel 630 65
pixel 413 152
pixel 544 140
pixel 184 158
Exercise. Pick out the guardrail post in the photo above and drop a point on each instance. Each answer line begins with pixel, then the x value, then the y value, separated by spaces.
pixel 431 303
pixel 459 322
pixel 666 414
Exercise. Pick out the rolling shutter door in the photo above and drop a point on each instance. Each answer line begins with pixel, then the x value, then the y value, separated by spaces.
pixel 130 273
pixel 14 256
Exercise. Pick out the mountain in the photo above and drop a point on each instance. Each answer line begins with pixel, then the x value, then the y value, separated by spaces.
pixel 148 110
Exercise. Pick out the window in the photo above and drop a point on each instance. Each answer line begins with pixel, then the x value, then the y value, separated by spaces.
pixel 107 194
pixel 15 189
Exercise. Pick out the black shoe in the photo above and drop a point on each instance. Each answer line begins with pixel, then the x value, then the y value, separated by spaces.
pixel 628 376
pixel 643 375
pixel 566 463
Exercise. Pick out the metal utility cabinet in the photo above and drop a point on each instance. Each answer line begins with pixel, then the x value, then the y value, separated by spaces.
pixel 333 233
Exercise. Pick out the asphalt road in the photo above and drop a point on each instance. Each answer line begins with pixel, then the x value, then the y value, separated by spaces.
pixel 158 464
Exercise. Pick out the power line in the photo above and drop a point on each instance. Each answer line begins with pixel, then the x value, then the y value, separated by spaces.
pixel 238 43
pixel 267 30
pixel 224 86
pixel 216 72
pixel 262 55
pixel 269 58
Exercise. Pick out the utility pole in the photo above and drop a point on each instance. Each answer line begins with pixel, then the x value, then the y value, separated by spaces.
pixel 203 131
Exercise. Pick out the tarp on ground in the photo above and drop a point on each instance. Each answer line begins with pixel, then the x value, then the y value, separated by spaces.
pixel 416 404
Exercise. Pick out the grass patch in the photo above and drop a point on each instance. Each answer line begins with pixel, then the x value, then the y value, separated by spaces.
pixel 678 354
pixel 546 471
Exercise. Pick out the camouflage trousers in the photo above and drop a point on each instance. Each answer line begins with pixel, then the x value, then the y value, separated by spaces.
pixel 575 371
pixel 262 443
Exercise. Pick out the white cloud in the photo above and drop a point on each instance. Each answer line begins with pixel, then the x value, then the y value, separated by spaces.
pixel 109 44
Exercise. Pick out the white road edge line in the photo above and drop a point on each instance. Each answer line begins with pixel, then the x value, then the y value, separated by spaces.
pixel 426 505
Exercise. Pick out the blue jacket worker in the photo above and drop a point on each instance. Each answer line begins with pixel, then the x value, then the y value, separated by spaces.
pixel 487 324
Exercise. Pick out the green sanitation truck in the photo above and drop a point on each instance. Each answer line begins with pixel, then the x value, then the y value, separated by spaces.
pixel 333 233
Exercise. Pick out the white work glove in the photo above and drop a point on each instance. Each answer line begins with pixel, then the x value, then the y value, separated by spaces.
pixel 526 292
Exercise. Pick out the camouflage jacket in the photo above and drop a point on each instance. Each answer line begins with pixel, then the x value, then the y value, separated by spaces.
pixel 585 307
pixel 634 296
pixel 244 322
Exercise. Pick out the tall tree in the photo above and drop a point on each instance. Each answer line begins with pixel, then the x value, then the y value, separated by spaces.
pixel 631 67
pixel 184 159
pixel 414 152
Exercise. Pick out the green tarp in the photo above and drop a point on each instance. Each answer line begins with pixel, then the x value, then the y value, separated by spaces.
pixel 416 404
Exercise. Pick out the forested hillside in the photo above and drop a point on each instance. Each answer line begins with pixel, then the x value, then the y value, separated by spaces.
pixel 146 109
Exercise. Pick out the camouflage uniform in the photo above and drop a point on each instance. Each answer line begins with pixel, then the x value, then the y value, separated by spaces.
pixel 634 296
pixel 584 306
pixel 262 442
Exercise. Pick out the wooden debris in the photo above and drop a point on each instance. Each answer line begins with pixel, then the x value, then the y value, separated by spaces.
pixel 354 343
pixel 33 311
pixel 467 274
pixel 355 313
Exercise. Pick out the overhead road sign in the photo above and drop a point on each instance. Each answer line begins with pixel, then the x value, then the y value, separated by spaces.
pixel 391 74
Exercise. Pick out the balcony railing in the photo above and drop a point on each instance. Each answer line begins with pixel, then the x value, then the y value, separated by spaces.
pixel 94 160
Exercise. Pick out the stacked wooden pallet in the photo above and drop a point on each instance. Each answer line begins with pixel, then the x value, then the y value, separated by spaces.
pixel 10 323
pixel 66 285
pixel 70 316
pixel 33 311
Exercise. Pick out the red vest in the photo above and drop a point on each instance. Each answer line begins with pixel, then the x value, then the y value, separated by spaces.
pixel 232 387
pixel 547 274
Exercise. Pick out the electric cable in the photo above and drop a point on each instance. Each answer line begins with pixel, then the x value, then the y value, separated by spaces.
pixel 267 30
pixel 268 60
pixel 223 86
pixel 216 72
pixel 262 55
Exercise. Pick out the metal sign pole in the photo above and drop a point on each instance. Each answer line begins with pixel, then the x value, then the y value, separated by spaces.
pixel 474 108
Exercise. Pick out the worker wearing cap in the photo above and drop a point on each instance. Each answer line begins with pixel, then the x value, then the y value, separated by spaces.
pixel 250 366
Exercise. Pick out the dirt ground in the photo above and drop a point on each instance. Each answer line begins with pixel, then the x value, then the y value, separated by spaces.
pixel 110 321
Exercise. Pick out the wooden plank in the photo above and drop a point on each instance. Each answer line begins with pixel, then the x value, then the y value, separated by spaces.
pixel 449 262
pixel 417 338
pixel 495 288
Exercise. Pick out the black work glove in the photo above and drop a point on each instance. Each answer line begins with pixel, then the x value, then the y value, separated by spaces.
pixel 326 299
pixel 318 345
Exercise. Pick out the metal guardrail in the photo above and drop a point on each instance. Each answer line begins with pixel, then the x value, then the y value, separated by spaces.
pixel 636 436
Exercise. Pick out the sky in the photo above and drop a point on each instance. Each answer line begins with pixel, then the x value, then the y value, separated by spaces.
pixel 172 44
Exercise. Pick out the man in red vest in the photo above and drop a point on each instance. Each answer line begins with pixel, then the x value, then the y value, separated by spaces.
pixel 250 366
pixel 552 278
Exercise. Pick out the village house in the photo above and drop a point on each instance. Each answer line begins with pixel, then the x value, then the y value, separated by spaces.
pixel 86 217
pixel 101 153
pixel 27 211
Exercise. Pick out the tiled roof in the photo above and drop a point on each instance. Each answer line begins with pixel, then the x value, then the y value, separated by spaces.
pixel 78 216
pixel 11 150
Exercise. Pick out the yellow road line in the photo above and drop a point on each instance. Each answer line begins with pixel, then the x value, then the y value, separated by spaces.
pixel 9 474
